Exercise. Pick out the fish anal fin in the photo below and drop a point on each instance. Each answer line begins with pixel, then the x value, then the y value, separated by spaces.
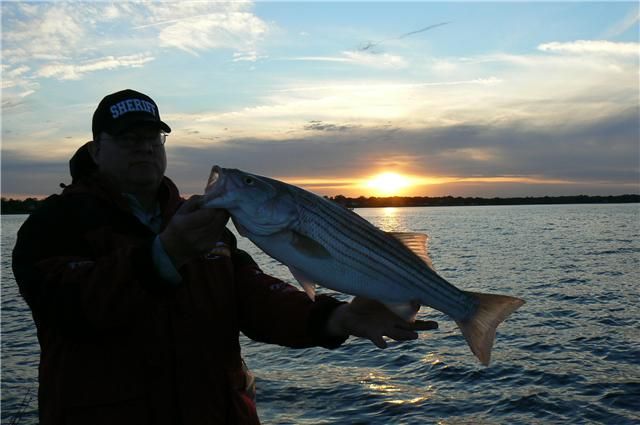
pixel 480 329
pixel 307 246
pixel 416 242
pixel 307 284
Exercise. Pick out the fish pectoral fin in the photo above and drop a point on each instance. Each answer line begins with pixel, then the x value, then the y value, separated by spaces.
pixel 416 242
pixel 307 284
pixel 307 246
pixel 407 311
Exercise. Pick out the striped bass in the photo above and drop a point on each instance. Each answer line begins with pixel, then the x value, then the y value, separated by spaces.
pixel 324 243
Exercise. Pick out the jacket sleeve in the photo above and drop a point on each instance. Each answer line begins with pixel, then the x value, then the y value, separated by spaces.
pixel 275 312
pixel 69 287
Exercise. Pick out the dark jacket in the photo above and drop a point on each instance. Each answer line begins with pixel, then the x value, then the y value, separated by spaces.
pixel 121 346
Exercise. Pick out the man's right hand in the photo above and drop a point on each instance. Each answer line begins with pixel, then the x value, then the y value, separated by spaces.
pixel 192 231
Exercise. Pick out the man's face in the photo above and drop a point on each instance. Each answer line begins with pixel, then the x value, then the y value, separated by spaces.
pixel 134 160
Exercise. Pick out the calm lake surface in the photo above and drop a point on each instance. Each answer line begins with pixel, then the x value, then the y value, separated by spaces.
pixel 570 355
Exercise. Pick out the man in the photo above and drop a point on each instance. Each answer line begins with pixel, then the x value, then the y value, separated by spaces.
pixel 139 296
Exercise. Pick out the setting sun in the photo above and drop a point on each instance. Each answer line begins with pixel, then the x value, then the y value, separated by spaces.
pixel 388 183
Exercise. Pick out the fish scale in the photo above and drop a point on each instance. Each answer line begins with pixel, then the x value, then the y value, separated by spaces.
pixel 440 294
pixel 331 240
pixel 392 246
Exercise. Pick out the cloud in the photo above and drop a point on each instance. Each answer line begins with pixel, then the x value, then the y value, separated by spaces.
pixel 590 156
pixel 199 26
pixel 68 40
pixel 591 47
pixel 16 86
pixel 601 153
pixel 63 71
pixel 322 126
pixel 236 30
pixel 14 102
pixel 384 85
pixel 23 174
pixel 384 60
pixel 52 40
pixel 371 103
pixel 249 56
pixel 318 59
pixel 47 31
pixel 540 89
pixel 12 77
pixel 373 60
pixel 112 12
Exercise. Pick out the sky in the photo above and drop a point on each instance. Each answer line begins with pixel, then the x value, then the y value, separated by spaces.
pixel 352 98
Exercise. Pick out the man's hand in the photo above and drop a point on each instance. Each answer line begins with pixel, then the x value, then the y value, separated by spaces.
pixel 372 320
pixel 192 231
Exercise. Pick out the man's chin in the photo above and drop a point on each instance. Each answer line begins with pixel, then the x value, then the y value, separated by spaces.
pixel 145 179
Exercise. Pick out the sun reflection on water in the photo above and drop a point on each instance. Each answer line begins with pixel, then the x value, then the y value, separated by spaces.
pixel 379 383
pixel 388 220
pixel 385 385
pixel 426 394
pixel 384 388
pixel 390 211
pixel 432 359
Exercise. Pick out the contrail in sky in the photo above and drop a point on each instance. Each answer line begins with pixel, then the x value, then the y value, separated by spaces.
pixel 171 21
pixel 371 44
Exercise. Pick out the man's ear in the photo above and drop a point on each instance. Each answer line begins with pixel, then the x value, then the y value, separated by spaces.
pixel 94 150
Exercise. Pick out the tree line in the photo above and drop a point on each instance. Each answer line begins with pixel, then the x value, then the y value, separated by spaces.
pixel 19 206
pixel 448 201
pixel 28 205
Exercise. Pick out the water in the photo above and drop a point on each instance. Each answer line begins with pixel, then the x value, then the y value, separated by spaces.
pixel 570 355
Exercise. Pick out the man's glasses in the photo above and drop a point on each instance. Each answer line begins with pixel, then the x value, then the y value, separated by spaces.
pixel 131 140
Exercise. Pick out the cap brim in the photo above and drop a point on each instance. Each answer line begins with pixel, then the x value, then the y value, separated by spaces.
pixel 125 124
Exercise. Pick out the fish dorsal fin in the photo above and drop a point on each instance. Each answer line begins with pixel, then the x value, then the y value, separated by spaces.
pixel 307 246
pixel 416 242
pixel 307 284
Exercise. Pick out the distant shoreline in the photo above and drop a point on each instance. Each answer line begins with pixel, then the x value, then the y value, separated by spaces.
pixel 27 206
pixel 450 201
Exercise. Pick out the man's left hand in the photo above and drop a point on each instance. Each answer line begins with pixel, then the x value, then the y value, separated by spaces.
pixel 370 319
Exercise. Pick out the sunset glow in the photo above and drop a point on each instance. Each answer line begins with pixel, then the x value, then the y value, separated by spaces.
pixel 388 184
pixel 395 184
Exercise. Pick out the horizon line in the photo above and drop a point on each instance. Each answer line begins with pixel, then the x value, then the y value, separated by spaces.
pixel 20 197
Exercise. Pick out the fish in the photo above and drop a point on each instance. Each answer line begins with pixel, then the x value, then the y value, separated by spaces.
pixel 324 243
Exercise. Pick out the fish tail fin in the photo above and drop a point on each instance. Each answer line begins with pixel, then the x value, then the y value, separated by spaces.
pixel 480 329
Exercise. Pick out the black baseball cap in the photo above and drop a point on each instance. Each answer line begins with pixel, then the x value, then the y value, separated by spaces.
pixel 121 110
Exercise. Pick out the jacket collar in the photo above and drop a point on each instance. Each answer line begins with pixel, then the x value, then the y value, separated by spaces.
pixel 168 195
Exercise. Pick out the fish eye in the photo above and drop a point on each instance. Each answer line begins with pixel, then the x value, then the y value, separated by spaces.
pixel 248 181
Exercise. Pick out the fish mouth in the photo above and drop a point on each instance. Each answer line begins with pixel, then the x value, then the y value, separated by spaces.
pixel 214 184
